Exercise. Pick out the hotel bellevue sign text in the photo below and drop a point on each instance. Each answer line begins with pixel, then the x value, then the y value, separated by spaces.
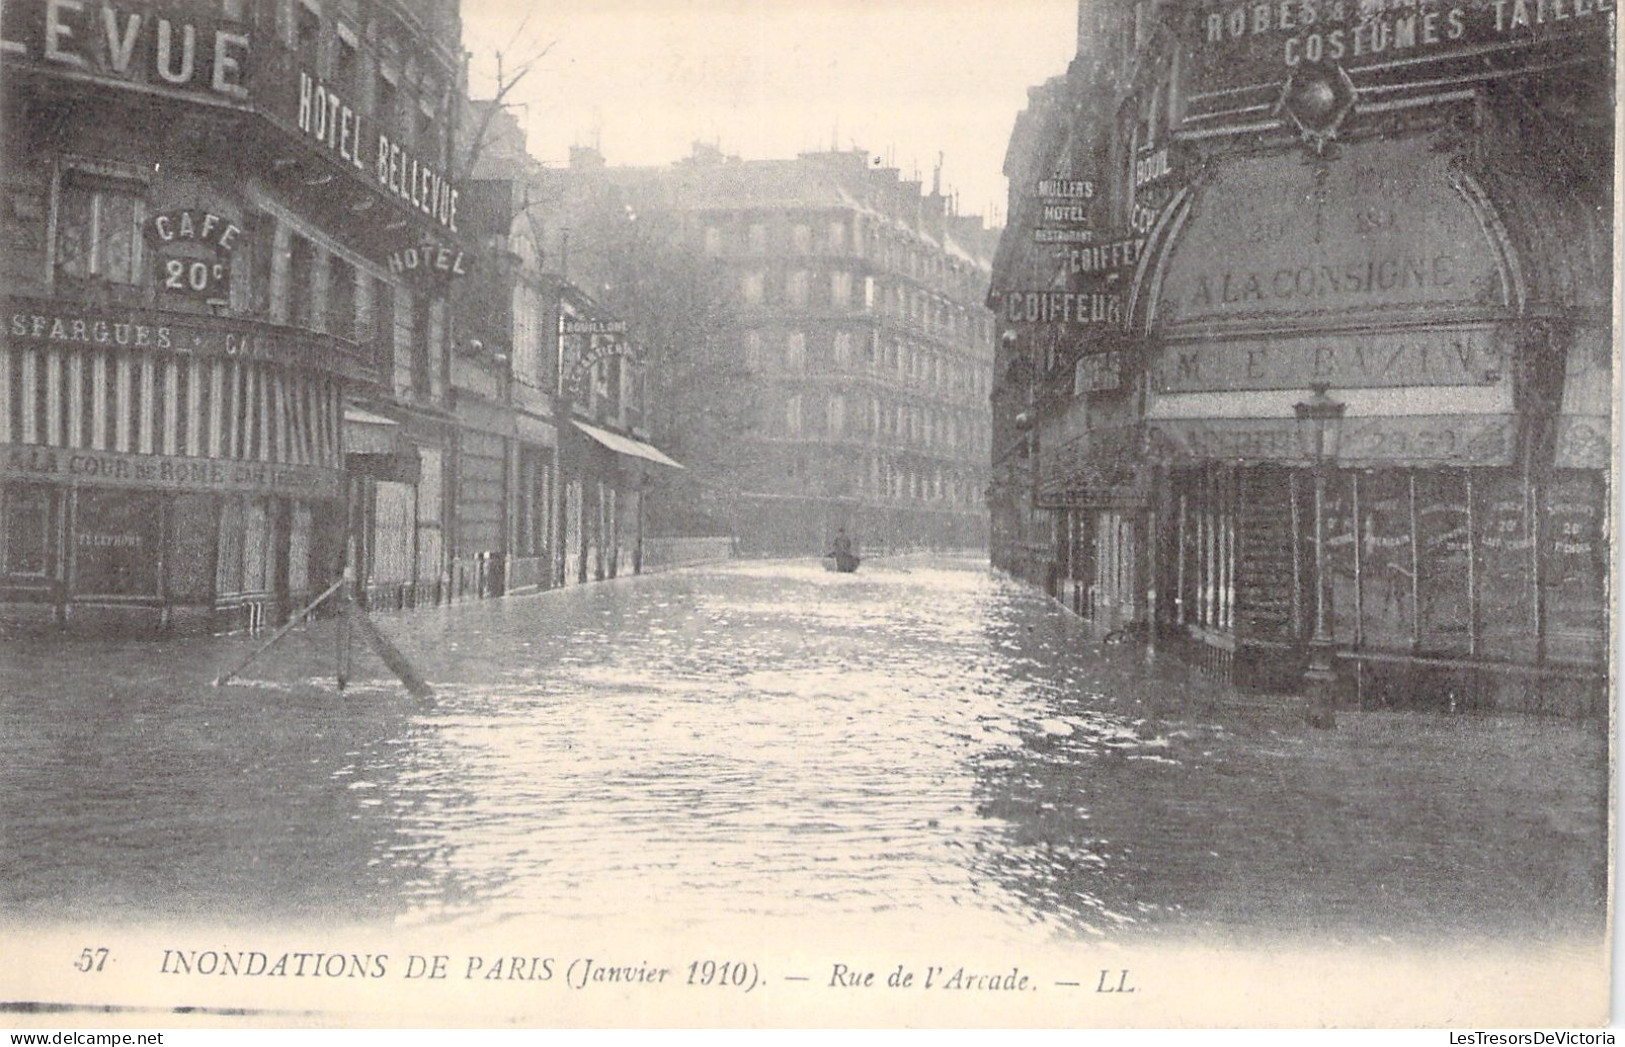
pixel 340 128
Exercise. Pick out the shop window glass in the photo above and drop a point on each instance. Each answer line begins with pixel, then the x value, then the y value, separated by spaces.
pixel 1387 561
pixel 25 531
pixel 98 232
pixel 116 537
pixel 188 559
pixel 1343 491
pixel 1573 568
pixel 256 528
pixel 1443 546
pixel 1504 567
pixel 229 557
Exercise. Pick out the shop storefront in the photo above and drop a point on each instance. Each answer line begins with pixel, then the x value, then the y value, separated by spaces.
pixel 1463 553
pixel 164 469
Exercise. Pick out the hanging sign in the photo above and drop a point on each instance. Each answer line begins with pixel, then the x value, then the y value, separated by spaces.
pixel 430 259
pixel 194 248
pixel 604 346
pixel 1064 308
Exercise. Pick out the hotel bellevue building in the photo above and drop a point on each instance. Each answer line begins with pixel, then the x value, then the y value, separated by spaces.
pixel 1306 343
pixel 229 228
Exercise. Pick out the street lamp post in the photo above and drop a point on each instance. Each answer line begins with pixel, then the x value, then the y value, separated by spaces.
pixel 1320 419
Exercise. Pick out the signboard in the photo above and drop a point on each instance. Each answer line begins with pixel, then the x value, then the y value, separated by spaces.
pixel 1063 205
pixel 120 469
pixel 1383 229
pixel 1342 360
pixel 1105 258
pixel 195 253
pixel 1415 439
pixel 131 43
pixel 324 115
pixel 599 327
pixel 602 348
pixel 1045 235
pixel 45 323
pixel 1097 372
pixel 1235 44
pixel 1064 308
pixel 430 259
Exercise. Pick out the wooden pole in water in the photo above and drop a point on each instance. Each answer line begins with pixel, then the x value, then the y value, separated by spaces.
pixel 342 635
pixel 388 652
pixel 280 633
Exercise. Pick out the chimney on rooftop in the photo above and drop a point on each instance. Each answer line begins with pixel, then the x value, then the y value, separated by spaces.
pixel 585 158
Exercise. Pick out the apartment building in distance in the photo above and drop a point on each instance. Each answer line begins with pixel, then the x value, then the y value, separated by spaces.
pixel 850 345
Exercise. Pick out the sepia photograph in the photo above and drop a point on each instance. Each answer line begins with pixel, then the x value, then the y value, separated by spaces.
pixel 707 513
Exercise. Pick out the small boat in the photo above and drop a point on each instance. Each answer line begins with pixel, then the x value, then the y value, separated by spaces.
pixel 845 563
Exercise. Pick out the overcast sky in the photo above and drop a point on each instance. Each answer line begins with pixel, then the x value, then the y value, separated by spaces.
pixel 904 79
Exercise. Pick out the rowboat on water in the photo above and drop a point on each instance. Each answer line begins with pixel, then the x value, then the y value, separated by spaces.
pixel 845 563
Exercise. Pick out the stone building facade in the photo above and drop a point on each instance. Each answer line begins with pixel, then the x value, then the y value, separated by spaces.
pixel 1395 218
pixel 217 387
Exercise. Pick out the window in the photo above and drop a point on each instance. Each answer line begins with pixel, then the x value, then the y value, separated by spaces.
pixel 341 299
pixel 837 236
pixel 801 239
pixel 98 231
pixel 382 333
pixel 795 287
pixel 713 240
pixel 843 348
pixel 346 62
pixel 386 109
pixel 25 537
pixel 751 288
pixel 840 288
pixel 795 351
pixel 753 350
pixel 307 27
pixel 302 283
pixel 792 414
pixel 116 543
pixel 758 238
pixel 835 412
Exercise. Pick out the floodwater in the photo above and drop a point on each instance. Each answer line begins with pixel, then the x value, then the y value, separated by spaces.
pixel 921 741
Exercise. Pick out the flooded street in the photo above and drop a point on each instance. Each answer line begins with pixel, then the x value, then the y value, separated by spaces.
pixel 921 741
